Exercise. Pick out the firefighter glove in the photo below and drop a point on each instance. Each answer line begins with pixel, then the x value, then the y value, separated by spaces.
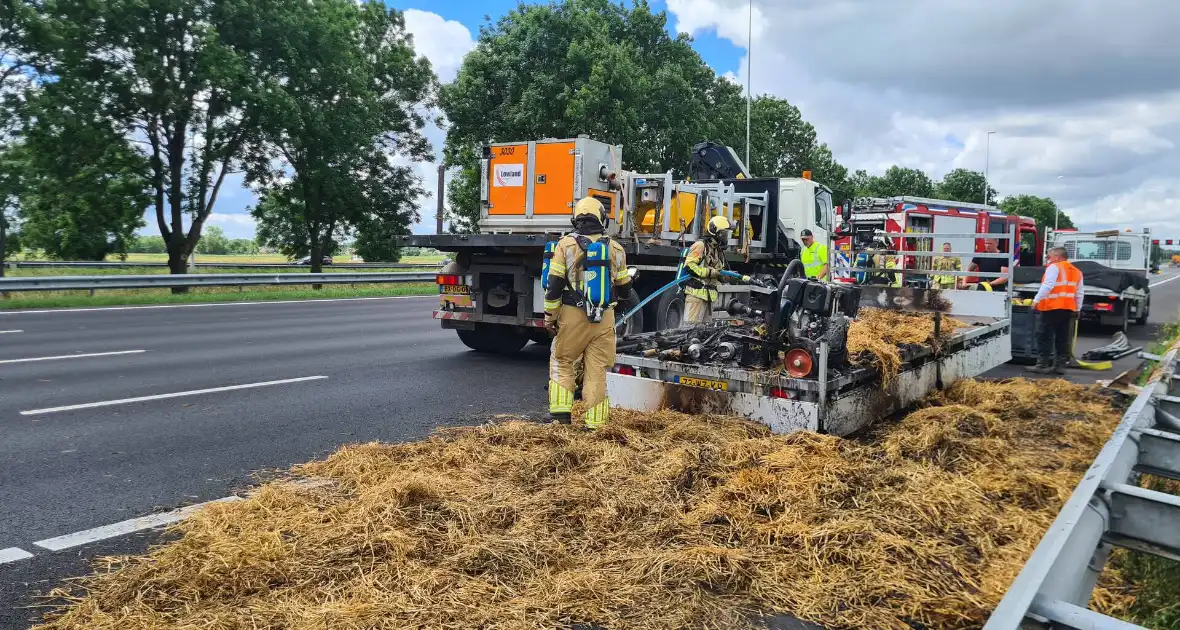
pixel 551 322
pixel 747 279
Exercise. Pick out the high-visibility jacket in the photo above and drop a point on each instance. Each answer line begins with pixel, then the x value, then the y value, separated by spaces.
pixel 946 263
pixel 1063 290
pixel 704 262
pixel 814 258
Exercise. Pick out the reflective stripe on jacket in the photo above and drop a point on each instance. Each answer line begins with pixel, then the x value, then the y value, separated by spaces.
pixel 704 263
pixel 1064 291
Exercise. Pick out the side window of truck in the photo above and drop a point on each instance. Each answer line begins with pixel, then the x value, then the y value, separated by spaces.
pixel 823 209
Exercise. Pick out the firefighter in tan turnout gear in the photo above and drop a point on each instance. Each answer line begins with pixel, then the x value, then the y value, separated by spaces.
pixel 705 262
pixel 587 277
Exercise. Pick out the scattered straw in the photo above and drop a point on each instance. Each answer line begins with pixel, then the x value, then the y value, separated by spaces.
pixel 658 521
pixel 876 334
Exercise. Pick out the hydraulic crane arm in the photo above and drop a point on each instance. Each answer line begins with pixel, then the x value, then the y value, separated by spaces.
pixel 711 160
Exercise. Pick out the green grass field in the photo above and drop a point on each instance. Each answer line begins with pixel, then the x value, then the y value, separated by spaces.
pixel 28 272
pixel 124 297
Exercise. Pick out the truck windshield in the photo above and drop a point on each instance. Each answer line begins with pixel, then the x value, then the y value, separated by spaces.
pixel 1098 250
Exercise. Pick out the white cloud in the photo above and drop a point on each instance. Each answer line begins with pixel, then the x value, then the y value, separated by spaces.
pixel 1085 105
pixel 444 43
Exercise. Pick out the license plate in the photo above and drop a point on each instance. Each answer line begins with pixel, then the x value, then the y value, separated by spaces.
pixel 455 289
pixel 689 381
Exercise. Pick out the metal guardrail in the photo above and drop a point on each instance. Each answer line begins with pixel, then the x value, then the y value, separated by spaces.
pixel 131 265
pixel 1106 509
pixel 92 283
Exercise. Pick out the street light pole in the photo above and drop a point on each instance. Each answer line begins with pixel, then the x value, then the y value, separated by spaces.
pixel 986 159
pixel 749 75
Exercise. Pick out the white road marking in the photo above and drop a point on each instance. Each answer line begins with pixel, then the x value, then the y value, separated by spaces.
pixel 8 332
pixel 73 356
pixel 149 306
pixel 194 392
pixel 126 527
pixel 12 554
pixel 1156 284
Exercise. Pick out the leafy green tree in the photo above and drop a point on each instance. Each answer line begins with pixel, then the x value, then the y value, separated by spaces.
pixel 350 93
pixel 177 74
pixel 1043 209
pixel 965 185
pixel 148 244
pixel 282 226
pixel 897 181
pixel 10 188
pixel 214 242
pixel 583 66
pixel 243 247
pixel 374 243
pixel 785 145
pixel 84 189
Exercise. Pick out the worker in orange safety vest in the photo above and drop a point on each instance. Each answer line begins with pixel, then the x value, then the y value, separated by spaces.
pixel 1057 304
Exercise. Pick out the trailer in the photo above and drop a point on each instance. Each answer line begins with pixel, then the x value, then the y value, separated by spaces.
pixel 836 397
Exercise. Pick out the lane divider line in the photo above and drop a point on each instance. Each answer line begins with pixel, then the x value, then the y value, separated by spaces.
pixel 1156 284
pixel 193 392
pixel 72 356
pixel 9 332
pixel 207 304
pixel 123 528
pixel 12 554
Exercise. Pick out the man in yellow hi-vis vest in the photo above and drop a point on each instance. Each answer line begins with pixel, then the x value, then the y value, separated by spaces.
pixel 567 316
pixel 814 257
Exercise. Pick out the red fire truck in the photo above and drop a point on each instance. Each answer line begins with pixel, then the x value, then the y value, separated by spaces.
pixel 924 216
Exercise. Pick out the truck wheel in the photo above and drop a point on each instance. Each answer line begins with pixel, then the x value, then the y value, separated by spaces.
pixel 633 325
pixel 540 337
pixel 669 310
pixel 1142 319
pixel 493 339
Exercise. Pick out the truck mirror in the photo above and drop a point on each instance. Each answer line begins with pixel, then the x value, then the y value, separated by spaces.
pixel 846 211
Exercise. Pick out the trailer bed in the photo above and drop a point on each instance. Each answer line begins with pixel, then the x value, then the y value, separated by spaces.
pixel 849 399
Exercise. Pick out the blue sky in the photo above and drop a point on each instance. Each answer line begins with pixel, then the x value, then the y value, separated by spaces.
pixel 231 211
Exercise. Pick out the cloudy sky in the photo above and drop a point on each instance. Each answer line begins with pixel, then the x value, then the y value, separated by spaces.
pixel 1083 95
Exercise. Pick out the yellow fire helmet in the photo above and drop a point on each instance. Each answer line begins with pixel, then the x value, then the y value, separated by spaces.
pixel 590 206
pixel 719 225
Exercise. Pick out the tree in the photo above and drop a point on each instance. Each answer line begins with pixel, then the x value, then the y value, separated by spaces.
pixel 84 189
pixel 149 244
pixel 172 73
pixel 785 145
pixel 243 247
pixel 583 66
pixel 351 93
pixel 965 185
pixel 213 242
pixel 897 181
pixel 10 188
pixel 282 226
pixel 374 243
pixel 1043 209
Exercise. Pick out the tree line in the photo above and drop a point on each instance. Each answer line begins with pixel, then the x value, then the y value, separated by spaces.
pixel 114 108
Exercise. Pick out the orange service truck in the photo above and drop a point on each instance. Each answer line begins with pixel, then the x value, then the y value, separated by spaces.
pixel 490 293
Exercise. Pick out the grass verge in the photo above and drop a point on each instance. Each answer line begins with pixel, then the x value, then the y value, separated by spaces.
pixel 42 272
pixel 68 299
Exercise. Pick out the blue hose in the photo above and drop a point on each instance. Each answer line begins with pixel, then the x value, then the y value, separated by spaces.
pixel 649 298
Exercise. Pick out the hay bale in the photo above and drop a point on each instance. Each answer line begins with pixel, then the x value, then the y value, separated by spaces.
pixel 662 521
pixel 876 334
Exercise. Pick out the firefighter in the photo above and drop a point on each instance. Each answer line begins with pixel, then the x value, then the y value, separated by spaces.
pixel 947 263
pixel 587 277
pixel 705 262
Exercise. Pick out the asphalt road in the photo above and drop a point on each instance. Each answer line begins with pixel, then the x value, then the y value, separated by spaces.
pixel 392 375
pixel 386 372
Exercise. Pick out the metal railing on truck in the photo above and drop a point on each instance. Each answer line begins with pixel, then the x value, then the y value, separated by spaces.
pixel 1106 509
pixel 92 283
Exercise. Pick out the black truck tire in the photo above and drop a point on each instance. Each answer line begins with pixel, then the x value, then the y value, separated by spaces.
pixel 632 325
pixel 670 310
pixel 1141 320
pixel 494 339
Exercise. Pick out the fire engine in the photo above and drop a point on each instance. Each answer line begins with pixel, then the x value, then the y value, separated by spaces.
pixel 920 215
